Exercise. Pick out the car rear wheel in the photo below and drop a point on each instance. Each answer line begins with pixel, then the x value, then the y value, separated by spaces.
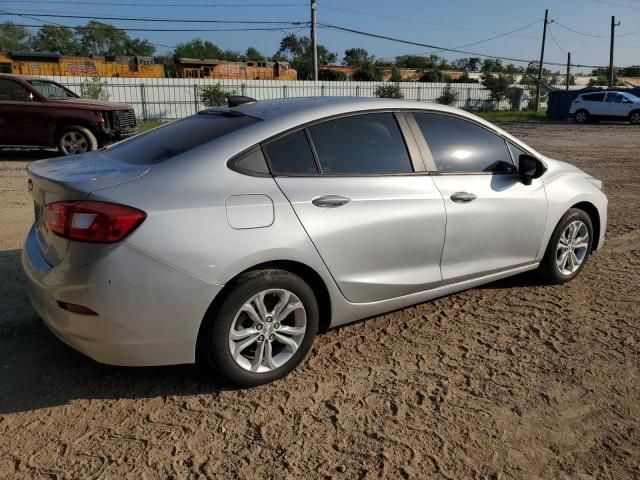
pixel 76 139
pixel 569 247
pixel 582 116
pixel 634 118
pixel 262 330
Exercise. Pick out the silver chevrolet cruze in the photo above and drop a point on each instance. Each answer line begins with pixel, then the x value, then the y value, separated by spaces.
pixel 232 236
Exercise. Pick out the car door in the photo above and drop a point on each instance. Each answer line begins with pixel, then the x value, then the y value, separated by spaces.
pixel 594 103
pixel 375 217
pixel 618 104
pixel 494 221
pixel 21 116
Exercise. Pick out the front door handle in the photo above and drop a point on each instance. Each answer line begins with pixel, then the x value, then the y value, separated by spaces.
pixel 462 197
pixel 330 201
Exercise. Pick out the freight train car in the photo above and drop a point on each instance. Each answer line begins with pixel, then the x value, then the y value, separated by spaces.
pixel 33 63
pixel 221 69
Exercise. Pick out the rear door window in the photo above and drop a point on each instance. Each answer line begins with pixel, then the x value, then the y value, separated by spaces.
pixel 460 146
pixel 361 145
pixel 593 97
pixel 162 143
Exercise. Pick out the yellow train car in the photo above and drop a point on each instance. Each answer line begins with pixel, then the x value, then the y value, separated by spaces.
pixel 221 69
pixel 32 63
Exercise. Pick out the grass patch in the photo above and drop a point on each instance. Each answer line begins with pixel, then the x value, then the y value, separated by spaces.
pixel 145 125
pixel 507 116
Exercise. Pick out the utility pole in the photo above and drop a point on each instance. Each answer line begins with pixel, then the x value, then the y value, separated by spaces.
pixel 568 70
pixel 613 37
pixel 314 38
pixel 544 39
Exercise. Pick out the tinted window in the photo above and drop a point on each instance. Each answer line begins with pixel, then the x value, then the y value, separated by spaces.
pixel 252 162
pixel 362 144
pixel 292 154
pixel 458 145
pixel 178 137
pixel 51 90
pixel 593 97
pixel 12 91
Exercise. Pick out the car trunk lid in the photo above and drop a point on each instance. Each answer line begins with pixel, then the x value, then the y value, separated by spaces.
pixel 72 178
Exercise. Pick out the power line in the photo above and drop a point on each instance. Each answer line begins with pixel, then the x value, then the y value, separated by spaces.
pixel 166 20
pixel 239 29
pixel 579 33
pixel 198 5
pixel 446 49
pixel 553 37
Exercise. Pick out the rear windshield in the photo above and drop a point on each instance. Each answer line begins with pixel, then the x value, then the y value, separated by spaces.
pixel 178 137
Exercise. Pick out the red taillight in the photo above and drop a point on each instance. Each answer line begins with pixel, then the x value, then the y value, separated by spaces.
pixel 88 221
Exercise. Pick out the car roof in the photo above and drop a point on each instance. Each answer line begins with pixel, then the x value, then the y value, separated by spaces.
pixel 327 106
pixel 13 76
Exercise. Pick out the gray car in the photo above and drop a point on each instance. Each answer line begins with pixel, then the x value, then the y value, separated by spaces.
pixel 232 236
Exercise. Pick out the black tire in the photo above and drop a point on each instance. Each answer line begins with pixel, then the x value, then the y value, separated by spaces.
pixel 634 117
pixel 214 351
pixel 582 116
pixel 549 269
pixel 75 139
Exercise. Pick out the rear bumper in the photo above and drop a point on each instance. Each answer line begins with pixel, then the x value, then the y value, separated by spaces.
pixel 149 313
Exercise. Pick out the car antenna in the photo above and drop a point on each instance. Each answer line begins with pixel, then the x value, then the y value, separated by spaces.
pixel 237 100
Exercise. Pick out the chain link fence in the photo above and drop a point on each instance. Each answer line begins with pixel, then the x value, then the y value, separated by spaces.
pixel 171 98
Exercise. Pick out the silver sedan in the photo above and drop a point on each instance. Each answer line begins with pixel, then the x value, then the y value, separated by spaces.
pixel 232 236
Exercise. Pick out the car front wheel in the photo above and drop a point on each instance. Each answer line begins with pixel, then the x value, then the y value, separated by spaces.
pixel 582 116
pixel 569 247
pixel 263 328
pixel 634 118
pixel 76 139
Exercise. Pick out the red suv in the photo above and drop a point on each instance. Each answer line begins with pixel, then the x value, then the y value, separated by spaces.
pixel 38 112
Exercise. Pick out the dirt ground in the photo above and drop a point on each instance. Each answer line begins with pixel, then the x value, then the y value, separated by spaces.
pixel 512 380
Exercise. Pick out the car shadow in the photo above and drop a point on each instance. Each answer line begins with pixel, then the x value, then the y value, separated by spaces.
pixel 27 154
pixel 37 370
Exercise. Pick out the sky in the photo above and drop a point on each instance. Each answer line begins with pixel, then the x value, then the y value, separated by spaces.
pixel 448 23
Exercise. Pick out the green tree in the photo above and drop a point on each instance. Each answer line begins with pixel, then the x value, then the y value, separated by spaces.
pixel 135 46
pixel 448 97
pixel 388 91
pixel 471 64
pixel 297 51
pixel 105 39
pixel 197 48
pixel 499 86
pixel 213 95
pixel 357 57
pixel 56 39
pixel 396 76
pixel 14 37
pixel 253 55
pixel 95 89
pixel 490 66
pixel 632 71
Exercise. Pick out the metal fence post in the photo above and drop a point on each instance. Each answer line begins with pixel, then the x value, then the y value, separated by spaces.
pixel 195 97
pixel 322 90
pixel 418 97
pixel 357 90
pixel 143 98
pixel 243 89
pixel 284 91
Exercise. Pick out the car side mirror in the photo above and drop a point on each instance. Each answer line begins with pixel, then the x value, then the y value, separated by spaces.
pixel 529 168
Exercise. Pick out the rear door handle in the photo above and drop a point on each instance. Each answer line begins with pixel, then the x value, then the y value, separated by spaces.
pixel 330 201
pixel 462 197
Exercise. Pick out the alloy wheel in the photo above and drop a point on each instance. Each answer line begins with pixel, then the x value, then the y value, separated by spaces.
pixel 73 143
pixel 581 117
pixel 635 118
pixel 572 247
pixel 267 331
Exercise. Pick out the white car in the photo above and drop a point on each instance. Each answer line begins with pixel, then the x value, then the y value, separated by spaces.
pixel 606 106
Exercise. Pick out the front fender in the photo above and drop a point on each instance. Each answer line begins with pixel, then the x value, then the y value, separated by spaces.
pixel 566 190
